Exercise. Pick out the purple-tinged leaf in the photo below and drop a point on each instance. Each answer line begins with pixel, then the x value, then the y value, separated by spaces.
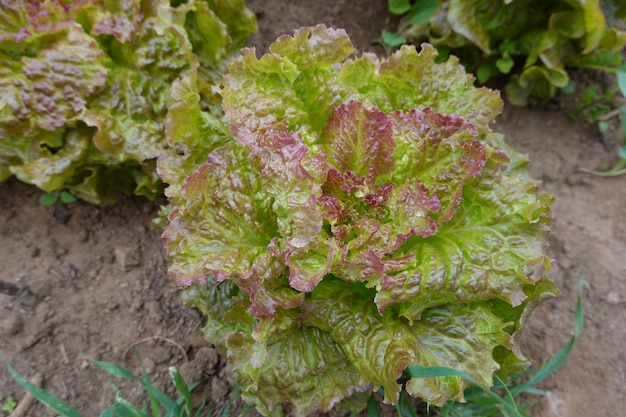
pixel 332 209
pixel 279 157
pixel 284 86
pixel 226 230
pixel 360 140
pixel 481 256
pixel 410 208
pixel 409 79
pixel 120 18
pixel 441 152
pixel 309 265
pixel 361 249
pixel 191 132
pixel 52 86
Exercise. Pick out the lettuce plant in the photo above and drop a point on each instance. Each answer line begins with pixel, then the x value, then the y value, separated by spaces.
pixel 533 41
pixel 85 86
pixel 361 218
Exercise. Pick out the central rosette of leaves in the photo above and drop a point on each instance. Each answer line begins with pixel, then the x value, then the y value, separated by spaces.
pixel 355 207
pixel 335 244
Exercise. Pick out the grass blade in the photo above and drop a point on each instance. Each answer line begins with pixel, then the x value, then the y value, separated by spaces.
pixel 621 79
pixel 420 371
pixel 115 370
pixel 152 397
pixel 155 395
pixel 404 407
pixel 109 412
pixel 508 397
pixel 182 387
pixel 49 400
pixel 535 391
pixel 125 409
pixel 372 408
pixel 159 397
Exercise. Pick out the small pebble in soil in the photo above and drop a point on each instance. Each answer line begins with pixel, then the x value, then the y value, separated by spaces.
pixel 149 364
pixel 228 373
pixel 136 304
pixel 197 340
pixel 161 354
pixel 205 362
pixel 219 390
pixel 127 257
pixel 59 251
pixel 83 235
pixel 209 357
pixel 11 324
pixel 613 298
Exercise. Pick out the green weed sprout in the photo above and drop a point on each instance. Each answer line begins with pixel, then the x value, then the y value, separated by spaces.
pixel 57 198
pixel 599 108
pixel 160 404
pixel 620 167
pixel 9 404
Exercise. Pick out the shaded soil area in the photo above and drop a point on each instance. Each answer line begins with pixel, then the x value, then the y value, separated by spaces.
pixel 99 284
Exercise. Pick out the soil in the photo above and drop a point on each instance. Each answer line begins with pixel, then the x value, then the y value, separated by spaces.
pixel 91 282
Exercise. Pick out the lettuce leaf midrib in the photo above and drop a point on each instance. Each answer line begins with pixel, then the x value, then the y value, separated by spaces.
pixel 255 241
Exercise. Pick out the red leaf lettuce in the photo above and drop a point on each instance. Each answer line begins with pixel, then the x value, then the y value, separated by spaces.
pixel 85 86
pixel 363 218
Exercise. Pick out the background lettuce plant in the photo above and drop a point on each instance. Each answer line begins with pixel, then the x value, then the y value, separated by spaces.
pixel 84 86
pixel 361 218
pixel 532 41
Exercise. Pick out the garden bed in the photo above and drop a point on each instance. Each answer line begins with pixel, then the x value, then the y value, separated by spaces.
pixel 101 286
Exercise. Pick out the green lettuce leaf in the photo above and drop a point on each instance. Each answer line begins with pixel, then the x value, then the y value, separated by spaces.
pixel 322 378
pixel 494 37
pixel 278 86
pixel 402 82
pixel 381 347
pixel 50 172
pixel 283 85
pixel 193 130
pixel 464 17
pixel 264 350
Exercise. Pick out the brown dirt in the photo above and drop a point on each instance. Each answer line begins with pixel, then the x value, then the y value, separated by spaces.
pixel 100 281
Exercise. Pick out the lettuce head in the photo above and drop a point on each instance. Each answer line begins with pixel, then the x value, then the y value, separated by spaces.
pixel 84 86
pixel 360 217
